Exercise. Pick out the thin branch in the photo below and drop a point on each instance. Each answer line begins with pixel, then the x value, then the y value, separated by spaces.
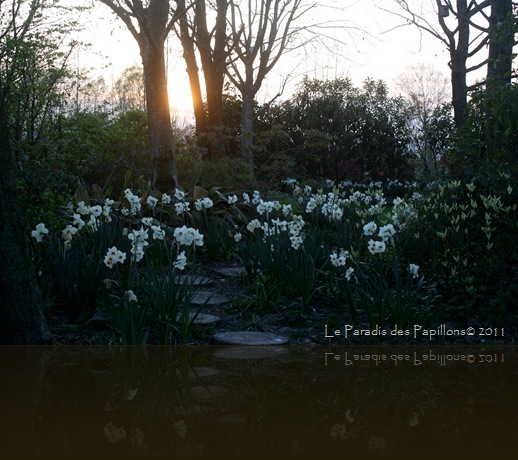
pixel 125 17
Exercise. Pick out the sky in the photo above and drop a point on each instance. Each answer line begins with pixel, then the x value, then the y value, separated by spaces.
pixel 369 44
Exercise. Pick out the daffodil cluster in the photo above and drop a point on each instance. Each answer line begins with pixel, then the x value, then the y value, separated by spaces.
pixel 134 203
pixel 139 241
pixel 339 259
pixel 86 217
pixel 187 236
pixel 204 203
pixel 385 233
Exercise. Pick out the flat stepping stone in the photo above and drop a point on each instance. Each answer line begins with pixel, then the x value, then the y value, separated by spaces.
pixel 202 318
pixel 248 352
pixel 249 338
pixel 209 298
pixel 234 272
pixel 195 280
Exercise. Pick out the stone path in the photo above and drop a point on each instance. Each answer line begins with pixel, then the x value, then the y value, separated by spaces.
pixel 209 298
pixel 202 318
pixel 249 338
pixel 262 342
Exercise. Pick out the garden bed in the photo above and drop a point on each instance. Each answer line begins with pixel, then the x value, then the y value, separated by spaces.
pixel 329 263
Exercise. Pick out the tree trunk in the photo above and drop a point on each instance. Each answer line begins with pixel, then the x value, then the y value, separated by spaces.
pixel 153 29
pixel 459 56
pixel 192 71
pixel 247 125
pixel 161 144
pixel 499 69
pixel 21 317
pixel 459 90
pixel 213 60
pixel 501 39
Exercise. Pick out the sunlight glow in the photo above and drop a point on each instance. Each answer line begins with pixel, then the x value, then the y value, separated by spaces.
pixel 180 103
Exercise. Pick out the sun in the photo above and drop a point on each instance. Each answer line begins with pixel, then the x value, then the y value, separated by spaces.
pixel 180 100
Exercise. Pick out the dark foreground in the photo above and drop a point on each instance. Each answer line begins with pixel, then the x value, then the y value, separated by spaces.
pixel 258 402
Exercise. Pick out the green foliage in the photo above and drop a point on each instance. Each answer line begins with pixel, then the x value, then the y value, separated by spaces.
pixel 272 143
pixel 333 130
pixel 169 297
pixel 130 90
pixel 444 253
pixel 78 270
pixel 34 53
pixel 97 267
pixel 188 158
pixel 215 229
pixel 127 318
pixel 34 72
pixel 228 173
pixel 489 140
pixel 433 142
pixel 452 253
pixel 99 149
pixel 283 275
pixel 215 219
pixel 463 235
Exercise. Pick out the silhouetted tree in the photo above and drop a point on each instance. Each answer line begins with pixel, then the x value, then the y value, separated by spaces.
pixel 466 29
pixel 211 45
pixel 150 23
pixel 260 33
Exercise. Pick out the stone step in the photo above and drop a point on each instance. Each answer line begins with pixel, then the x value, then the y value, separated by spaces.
pixel 249 338
pixel 202 318
pixel 209 298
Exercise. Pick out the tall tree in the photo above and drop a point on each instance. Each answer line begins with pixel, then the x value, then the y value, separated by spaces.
pixel 211 46
pixel 21 317
pixel 502 30
pixel 184 31
pixel 150 23
pixel 34 54
pixel 503 26
pixel 260 33
pixel 456 24
pixel 213 53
